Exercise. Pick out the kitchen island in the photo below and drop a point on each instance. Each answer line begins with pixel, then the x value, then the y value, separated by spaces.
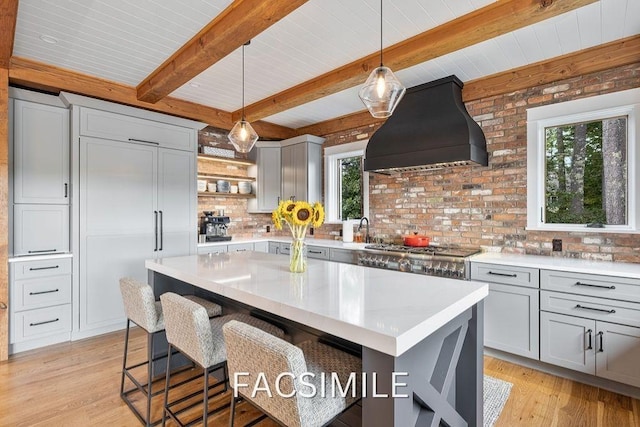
pixel 427 330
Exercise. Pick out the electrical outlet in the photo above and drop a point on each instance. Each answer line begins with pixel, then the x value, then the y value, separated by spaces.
pixel 556 245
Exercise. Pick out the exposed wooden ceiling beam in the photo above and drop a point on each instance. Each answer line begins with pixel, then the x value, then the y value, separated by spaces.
pixel 29 73
pixel 498 18
pixel 8 16
pixel 614 54
pixel 241 21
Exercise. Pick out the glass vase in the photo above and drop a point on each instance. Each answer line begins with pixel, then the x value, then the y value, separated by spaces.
pixel 298 256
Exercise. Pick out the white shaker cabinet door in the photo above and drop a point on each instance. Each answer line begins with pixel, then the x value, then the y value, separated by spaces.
pixel 40 229
pixel 118 187
pixel 41 153
pixel 176 203
pixel 618 353
pixel 568 341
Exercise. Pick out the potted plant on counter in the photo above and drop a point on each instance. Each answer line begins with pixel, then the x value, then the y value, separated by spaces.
pixel 299 216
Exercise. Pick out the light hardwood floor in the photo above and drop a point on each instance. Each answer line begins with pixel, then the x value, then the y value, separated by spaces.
pixel 76 384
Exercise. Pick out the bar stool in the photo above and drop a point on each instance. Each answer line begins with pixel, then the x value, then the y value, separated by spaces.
pixel 200 339
pixel 252 352
pixel 141 308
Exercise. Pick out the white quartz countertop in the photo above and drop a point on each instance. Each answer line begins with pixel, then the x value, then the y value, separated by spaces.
pixel 39 257
pixel 385 310
pixel 339 244
pixel 618 269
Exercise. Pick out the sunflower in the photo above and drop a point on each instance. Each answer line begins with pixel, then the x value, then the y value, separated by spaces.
pixel 302 213
pixel 286 207
pixel 275 217
pixel 318 214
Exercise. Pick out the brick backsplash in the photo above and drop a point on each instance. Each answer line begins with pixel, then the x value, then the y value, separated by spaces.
pixel 472 205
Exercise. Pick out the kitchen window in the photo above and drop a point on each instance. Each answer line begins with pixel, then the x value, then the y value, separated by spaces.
pixel 583 163
pixel 346 184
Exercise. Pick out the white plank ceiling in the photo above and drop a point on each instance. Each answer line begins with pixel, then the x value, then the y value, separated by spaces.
pixel 124 41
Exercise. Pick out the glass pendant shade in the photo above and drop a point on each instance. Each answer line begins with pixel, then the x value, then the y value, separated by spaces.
pixel 382 92
pixel 242 136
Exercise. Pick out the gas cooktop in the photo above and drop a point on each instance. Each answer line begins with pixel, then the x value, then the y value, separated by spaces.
pixel 452 251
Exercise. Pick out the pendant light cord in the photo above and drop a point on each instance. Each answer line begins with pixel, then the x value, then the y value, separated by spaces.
pixel 381 33
pixel 243 118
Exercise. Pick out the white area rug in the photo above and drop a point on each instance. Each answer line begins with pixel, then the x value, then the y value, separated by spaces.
pixel 496 393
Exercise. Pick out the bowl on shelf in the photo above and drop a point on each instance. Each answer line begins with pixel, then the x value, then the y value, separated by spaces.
pixel 202 185
pixel 244 187
pixel 212 187
pixel 223 186
pixel 234 189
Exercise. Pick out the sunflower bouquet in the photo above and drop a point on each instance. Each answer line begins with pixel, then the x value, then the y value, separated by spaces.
pixel 299 216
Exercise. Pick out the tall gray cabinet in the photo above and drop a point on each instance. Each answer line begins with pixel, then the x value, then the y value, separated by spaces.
pixel 136 200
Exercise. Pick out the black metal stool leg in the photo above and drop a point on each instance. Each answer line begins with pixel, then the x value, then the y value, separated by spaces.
pixel 232 414
pixel 166 388
pixel 149 375
pixel 205 411
pixel 124 357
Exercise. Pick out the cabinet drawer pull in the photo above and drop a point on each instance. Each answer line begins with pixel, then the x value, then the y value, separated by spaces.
pixel 595 286
pixel 241 250
pixel 595 309
pixel 44 292
pixel 590 346
pixel 44 268
pixel 144 141
pixel 44 323
pixel 315 252
pixel 43 251
pixel 502 274
pixel 66 190
pixel 601 334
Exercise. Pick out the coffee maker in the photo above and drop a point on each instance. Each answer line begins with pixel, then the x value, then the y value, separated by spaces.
pixel 214 227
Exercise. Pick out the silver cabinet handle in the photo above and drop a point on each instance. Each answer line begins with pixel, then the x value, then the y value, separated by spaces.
pixel 595 309
pixel 589 347
pixel 595 286
pixel 144 141
pixel 161 229
pixel 44 268
pixel 155 228
pixel 42 251
pixel 44 292
pixel 493 273
pixel 44 323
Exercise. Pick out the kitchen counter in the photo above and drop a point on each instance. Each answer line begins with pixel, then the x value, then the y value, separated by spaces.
pixel 403 321
pixel 327 243
pixel 618 269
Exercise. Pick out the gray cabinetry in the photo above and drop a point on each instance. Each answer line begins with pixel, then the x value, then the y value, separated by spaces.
pixel 583 331
pixel 261 246
pixel 240 247
pixel 137 201
pixel 268 184
pixel 512 308
pixel 319 252
pixel 40 229
pixel 302 168
pixel 41 153
pixel 343 255
pixel 217 249
pixel 40 303
pixel 274 248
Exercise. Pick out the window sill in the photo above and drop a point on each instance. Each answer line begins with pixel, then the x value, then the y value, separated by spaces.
pixel 604 230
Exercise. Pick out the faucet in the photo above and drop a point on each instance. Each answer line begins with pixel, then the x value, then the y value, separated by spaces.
pixel 367 237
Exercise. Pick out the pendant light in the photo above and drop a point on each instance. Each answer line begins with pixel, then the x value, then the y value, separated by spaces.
pixel 382 91
pixel 242 135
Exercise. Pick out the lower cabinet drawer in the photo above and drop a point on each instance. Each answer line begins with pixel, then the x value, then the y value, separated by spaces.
pixel 240 247
pixel 39 323
pixel 317 252
pixel 506 275
pixel 42 268
pixel 602 309
pixel 40 292
pixel 591 284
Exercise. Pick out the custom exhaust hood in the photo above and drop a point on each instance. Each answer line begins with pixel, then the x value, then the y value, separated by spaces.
pixel 429 129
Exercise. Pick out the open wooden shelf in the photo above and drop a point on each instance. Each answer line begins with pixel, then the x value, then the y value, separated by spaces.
pixel 226 159
pixel 225 177
pixel 232 195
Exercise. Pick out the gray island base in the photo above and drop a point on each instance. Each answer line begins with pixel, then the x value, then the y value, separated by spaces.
pixel 420 340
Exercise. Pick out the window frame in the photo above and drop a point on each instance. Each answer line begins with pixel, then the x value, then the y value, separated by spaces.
pixel 332 155
pixel 623 103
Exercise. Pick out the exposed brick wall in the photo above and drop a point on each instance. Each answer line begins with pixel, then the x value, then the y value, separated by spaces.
pixel 486 206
